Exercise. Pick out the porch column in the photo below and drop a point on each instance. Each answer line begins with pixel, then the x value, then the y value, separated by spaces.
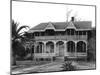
pixel 86 51
pixel 55 47
pixel 78 34
pixel 35 48
pixel 65 48
pixel 82 34
pixel 75 48
pixel 44 47
pixel 31 51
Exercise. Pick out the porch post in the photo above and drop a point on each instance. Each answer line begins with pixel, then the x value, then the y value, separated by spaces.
pixel 86 51
pixel 34 51
pixel 44 47
pixel 82 34
pixel 65 48
pixel 31 51
pixel 75 48
pixel 78 34
pixel 54 47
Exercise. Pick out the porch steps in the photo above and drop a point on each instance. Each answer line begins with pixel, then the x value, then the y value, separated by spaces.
pixel 59 59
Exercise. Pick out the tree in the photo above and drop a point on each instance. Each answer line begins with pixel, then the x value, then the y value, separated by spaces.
pixel 16 40
pixel 92 45
pixel 30 38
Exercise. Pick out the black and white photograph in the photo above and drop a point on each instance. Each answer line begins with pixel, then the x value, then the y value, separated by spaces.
pixel 52 37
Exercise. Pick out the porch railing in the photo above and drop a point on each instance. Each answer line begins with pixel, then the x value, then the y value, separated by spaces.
pixel 65 37
pixel 69 54
pixel 76 54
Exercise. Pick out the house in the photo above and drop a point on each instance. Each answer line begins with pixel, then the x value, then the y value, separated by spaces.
pixel 60 40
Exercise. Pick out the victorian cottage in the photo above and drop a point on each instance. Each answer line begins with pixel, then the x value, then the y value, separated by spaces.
pixel 60 40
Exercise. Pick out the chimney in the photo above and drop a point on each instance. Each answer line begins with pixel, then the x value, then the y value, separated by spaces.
pixel 72 19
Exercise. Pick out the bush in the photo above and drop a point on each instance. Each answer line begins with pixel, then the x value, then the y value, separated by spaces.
pixel 92 48
pixel 91 56
pixel 68 67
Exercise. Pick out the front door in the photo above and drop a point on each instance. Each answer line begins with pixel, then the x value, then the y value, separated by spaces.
pixel 61 50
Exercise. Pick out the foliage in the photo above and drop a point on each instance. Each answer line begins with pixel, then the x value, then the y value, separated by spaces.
pixel 92 46
pixel 16 34
pixel 17 47
pixel 68 67
pixel 19 50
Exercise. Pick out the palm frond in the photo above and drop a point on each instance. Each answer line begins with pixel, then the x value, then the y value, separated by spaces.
pixel 21 28
pixel 14 28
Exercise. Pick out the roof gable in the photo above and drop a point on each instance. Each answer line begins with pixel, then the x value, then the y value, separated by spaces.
pixel 71 25
pixel 49 26
pixel 60 25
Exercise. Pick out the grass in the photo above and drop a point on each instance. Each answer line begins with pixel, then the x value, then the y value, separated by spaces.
pixel 26 64
pixel 64 66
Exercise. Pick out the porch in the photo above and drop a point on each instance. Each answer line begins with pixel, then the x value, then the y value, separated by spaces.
pixel 63 49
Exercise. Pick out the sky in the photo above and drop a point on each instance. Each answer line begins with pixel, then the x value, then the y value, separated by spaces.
pixel 32 14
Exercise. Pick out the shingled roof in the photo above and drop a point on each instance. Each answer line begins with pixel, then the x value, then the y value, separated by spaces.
pixel 79 25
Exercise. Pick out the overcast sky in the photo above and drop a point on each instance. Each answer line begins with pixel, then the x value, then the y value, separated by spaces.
pixel 31 14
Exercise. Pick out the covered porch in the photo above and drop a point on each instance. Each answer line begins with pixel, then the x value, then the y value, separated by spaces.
pixel 50 49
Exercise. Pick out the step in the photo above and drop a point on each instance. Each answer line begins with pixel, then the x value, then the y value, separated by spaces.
pixel 59 58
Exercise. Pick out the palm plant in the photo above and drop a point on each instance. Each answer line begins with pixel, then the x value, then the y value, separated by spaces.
pixel 68 66
pixel 29 38
pixel 16 40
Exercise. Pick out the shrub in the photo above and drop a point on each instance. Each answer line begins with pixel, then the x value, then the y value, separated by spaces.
pixel 68 66
pixel 91 56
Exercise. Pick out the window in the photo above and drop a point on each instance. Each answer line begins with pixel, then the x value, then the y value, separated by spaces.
pixel 81 46
pixel 49 47
pixel 52 48
pixel 39 47
pixel 71 46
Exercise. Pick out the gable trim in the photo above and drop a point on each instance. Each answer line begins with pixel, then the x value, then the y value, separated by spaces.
pixel 71 26
pixel 49 26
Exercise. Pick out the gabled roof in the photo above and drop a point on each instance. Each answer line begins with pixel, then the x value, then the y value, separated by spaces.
pixel 49 26
pixel 70 26
pixel 58 26
pixel 83 24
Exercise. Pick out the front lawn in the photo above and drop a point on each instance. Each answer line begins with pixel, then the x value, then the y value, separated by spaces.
pixel 29 63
